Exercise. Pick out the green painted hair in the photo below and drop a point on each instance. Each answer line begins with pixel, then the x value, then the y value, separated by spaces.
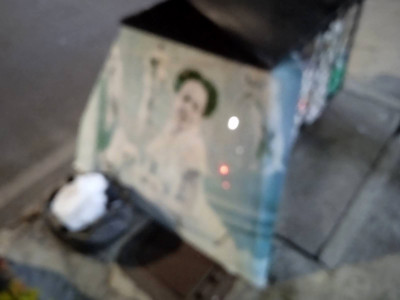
pixel 211 91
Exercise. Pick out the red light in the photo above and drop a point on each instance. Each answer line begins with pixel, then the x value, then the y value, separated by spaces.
pixel 226 185
pixel 302 105
pixel 224 169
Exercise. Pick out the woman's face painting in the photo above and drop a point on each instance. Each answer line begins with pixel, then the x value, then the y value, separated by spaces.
pixel 190 103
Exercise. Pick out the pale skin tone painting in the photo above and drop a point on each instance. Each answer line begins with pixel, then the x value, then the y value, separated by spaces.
pixel 171 169
pixel 178 152
pixel 175 162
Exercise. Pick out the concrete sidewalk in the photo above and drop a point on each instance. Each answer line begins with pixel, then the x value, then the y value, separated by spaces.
pixel 379 279
pixel 376 280
pixel 341 202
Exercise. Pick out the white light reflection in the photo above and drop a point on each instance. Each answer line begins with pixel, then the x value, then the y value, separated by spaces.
pixel 233 123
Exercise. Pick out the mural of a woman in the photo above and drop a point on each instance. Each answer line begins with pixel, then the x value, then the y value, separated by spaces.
pixel 176 159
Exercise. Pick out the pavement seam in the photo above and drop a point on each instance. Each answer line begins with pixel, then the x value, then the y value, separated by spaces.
pixel 298 249
pixel 332 249
pixel 372 95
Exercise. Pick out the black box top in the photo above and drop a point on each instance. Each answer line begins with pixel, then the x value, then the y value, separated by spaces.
pixel 256 32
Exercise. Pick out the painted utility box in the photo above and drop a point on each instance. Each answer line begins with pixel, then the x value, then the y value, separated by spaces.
pixel 201 125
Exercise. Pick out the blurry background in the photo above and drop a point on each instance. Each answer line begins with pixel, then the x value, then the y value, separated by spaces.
pixel 342 198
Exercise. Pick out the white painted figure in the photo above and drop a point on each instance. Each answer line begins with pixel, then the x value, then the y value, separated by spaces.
pixel 176 160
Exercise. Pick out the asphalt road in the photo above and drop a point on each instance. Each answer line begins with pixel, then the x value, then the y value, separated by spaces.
pixel 50 54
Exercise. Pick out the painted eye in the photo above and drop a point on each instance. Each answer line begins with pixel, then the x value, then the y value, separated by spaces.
pixel 186 98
